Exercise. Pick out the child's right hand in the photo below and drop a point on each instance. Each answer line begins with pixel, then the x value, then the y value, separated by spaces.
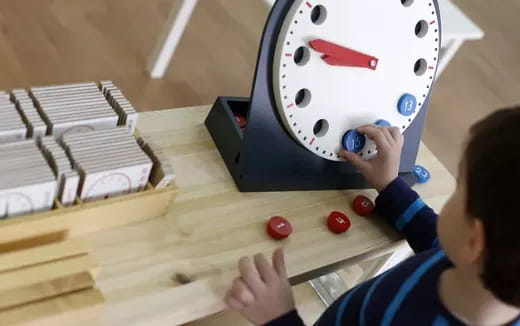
pixel 384 168
pixel 262 293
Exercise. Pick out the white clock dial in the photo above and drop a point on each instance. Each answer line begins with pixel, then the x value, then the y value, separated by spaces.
pixel 388 53
pixel 110 185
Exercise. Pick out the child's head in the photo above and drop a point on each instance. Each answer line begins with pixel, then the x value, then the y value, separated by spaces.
pixel 479 228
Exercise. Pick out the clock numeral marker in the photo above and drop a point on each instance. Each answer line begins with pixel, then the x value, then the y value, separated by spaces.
pixel 312 141
pixel 290 105
pixel 308 4
pixel 288 54
pixel 432 22
pixel 431 67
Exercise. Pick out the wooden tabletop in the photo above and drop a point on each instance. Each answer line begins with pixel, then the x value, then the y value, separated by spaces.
pixel 211 225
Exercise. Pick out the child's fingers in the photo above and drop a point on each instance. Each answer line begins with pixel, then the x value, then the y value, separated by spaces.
pixel 396 134
pixel 376 134
pixel 388 135
pixel 355 160
pixel 279 263
pixel 250 275
pixel 233 303
pixel 266 271
pixel 242 293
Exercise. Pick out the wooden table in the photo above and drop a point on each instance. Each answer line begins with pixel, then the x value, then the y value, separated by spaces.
pixel 211 225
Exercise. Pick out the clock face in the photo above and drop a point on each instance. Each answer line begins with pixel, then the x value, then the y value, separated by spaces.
pixel 342 64
pixel 16 204
pixel 77 130
pixel 106 187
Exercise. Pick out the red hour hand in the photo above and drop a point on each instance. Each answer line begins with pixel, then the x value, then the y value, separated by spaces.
pixel 337 55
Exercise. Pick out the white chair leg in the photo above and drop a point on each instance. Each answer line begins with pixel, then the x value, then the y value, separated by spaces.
pixel 447 53
pixel 177 22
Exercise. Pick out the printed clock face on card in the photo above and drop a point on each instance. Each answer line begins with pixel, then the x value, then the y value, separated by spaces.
pixel 342 64
pixel 16 203
pixel 107 184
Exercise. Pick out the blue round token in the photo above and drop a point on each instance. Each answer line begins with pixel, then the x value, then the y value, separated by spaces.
pixel 382 123
pixel 421 173
pixel 353 141
pixel 407 104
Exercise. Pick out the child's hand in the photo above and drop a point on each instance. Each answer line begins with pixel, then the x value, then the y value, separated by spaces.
pixel 383 169
pixel 263 292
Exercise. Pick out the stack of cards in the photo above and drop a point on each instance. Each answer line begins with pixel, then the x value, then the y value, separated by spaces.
pixel 12 127
pixel 163 173
pixel 127 113
pixel 73 108
pixel 109 162
pixel 35 125
pixel 68 179
pixel 27 183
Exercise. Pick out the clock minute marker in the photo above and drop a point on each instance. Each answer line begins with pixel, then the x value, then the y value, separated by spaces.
pixel 337 55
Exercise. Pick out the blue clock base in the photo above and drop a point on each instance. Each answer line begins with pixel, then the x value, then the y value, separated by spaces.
pixel 263 157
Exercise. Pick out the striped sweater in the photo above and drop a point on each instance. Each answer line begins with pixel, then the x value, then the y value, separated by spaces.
pixel 407 294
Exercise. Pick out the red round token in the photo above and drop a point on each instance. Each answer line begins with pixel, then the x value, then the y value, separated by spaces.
pixel 279 228
pixel 241 120
pixel 363 206
pixel 338 222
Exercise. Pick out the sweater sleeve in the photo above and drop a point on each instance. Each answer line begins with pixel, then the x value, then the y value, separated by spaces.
pixel 292 318
pixel 403 207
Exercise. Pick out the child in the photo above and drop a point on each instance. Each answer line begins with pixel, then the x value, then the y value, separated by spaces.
pixel 468 275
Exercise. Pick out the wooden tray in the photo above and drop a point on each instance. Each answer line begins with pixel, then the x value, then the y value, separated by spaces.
pixel 81 218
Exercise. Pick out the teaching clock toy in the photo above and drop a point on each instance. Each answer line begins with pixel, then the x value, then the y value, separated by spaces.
pixel 325 68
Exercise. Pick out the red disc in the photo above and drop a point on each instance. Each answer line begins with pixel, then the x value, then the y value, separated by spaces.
pixel 279 228
pixel 363 206
pixel 338 222
pixel 241 120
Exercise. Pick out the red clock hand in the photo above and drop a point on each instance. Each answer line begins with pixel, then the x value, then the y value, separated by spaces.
pixel 337 55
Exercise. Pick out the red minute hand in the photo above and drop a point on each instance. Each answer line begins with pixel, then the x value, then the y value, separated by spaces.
pixel 336 55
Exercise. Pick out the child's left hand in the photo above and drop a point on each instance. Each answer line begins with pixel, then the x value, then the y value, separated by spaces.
pixel 262 293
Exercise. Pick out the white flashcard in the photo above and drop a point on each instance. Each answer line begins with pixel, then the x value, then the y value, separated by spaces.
pixel 85 125
pixel 28 199
pixel 69 189
pixel 14 135
pixel 104 184
pixel 63 87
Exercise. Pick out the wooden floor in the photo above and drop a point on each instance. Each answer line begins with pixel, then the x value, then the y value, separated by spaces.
pixel 55 41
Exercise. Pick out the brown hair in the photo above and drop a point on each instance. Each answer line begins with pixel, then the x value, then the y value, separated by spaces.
pixel 492 162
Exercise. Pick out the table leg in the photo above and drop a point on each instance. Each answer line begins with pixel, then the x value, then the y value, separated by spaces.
pixel 176 24
pixel 331 286
pixel 328 287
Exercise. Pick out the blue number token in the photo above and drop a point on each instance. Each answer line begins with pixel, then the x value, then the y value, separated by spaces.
pixel 407 104
pixel 421 173
pixel 353 141
pixel 382 123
